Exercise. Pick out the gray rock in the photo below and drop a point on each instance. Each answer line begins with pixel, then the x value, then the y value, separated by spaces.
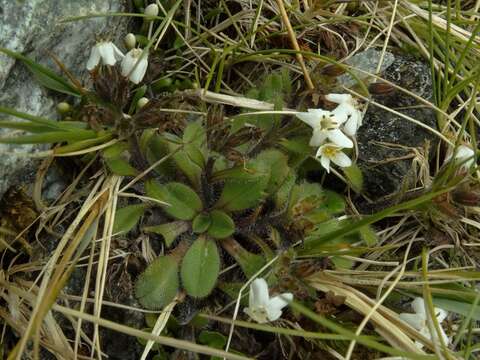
pixel 385 167
pixel 33 27
pixel 367 61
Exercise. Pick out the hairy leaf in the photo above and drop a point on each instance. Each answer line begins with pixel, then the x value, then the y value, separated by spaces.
pixel 158 284
pixel 44 75
pixel 184 202
pixel 127 217
pixel 200 267
pixel 201 223
pixel 169 231
pixel 221 226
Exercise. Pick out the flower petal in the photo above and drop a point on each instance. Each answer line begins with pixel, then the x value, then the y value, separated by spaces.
pixel 341 159
pixel 318 137
pixel 117 52
pixel 413 320
pixel 310 118
pixel 464 152
pixel 139 72
pixel 339 138
pixel 342 113
pixel 418 305
pixel 351 126
pixel 107 54
pixel 325 161
pixel 258 293
pixel 440 314
pixel 273 314
pixel 280 301
pixel 339 98
pixel 128 63
pixel 94 58
pixel 276 304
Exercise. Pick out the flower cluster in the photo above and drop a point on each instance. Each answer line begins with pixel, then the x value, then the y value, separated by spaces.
pixel 332 129
pixel 419 321
pixel 133 65
pixel 261 307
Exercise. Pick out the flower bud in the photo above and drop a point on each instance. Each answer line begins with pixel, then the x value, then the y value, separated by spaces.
pixel 63 107
pixel 130 41
pixel 151 10
pixel 142 102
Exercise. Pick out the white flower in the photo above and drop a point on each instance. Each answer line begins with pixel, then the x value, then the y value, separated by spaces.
pixel 128 64
pixel 261 307
pixel 419 321
pixel 332 152
pixel 106 52
pixel 325 126
pixel 347 112
pixel 464 155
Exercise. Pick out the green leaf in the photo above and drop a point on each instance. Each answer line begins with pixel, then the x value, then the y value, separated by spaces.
pixel 120 167
pixel 190 161
pixel 25 126
pixel 355 177
pixel 44 75
pixel 459 307
pixel 127 217
pixel 368 235
pixel 213 339
pixel 332 202
pixel 221 226
pixel 184 202
pixel 50 137
pixel 169 231
pixel 277 163
pixel 244 187
pixel 201 223
pixel 250 263
pixel 158 284
pixel 282 196
pixel 200 267
pixel 195 133
pixel 155 148
pixel 116 159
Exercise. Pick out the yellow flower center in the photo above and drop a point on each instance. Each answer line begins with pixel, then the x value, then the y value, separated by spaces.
pixel 330 151
pixel 327 122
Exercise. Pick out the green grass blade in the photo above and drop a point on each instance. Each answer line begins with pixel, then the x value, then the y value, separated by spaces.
pixel 50 137
pixel 44 75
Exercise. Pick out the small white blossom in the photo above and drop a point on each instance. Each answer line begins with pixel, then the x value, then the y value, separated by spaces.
pixel 261 307
pixel 465 156
pixel 128 64
pixel 331 152
pixel 105 52
pixel 347 112
pixel 325 126
pixel 419 321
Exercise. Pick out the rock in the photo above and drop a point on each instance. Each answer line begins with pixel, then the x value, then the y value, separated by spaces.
pixel 367 61
pixel 33 27
pixel 386 140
